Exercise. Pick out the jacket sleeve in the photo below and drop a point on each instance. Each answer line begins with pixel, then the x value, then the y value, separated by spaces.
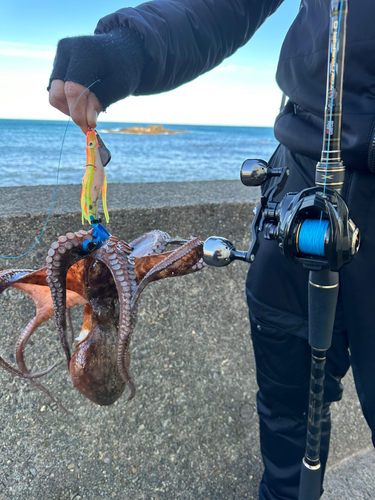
pixel 185 38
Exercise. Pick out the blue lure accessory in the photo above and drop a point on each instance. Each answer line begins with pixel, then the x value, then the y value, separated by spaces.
pixel 99 235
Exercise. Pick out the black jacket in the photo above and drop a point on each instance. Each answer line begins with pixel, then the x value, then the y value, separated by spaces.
pixel 162 44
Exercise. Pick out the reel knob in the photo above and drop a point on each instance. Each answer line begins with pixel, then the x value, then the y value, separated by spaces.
pixel 257 172
pixel 220 252
pixel 254 172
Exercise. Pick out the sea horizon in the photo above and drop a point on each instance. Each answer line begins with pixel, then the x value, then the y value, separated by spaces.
pixel 34 152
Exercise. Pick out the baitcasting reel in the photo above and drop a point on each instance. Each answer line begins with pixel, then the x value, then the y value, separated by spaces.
pixel 311 227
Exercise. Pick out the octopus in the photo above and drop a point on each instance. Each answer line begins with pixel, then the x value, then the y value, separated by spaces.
pixel 107 282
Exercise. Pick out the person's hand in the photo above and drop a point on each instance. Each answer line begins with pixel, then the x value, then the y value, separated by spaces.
pixel 108 67
pixel 64 96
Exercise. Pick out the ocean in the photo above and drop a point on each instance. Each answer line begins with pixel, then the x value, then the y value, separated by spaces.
pixel 30 152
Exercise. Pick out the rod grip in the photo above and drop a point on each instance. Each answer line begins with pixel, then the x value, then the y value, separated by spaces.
pixel 310 483
pixel 323 293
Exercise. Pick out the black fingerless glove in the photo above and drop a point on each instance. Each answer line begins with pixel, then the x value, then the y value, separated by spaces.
pixel 115 58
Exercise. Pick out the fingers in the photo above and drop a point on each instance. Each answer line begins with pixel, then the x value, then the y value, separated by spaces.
pixel 93 109
pixel 57 97
pixel 76 101
pixel 77 105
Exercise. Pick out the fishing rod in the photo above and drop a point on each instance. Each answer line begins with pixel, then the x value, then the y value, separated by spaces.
pixel 324 284
pixel 313 228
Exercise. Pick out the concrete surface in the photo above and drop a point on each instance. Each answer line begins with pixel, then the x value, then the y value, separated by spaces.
pixel 353 478
pixel 191 431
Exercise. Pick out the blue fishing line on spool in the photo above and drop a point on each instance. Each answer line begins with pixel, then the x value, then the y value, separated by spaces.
pixel 311 237
pixel 57 183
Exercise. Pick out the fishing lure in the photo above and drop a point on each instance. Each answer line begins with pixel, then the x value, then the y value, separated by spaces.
pixel 94 181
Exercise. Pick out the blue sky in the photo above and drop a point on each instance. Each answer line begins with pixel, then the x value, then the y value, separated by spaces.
pixel 241 91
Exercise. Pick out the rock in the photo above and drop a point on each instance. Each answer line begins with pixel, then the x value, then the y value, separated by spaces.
pixel 149 130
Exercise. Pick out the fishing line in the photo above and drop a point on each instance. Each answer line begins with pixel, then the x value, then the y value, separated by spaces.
pixel 312 232
pixel 57 182
pixel 311 236
pixel 333 93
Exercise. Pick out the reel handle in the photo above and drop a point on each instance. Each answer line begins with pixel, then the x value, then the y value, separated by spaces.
pixel 220 252
pixel 257 172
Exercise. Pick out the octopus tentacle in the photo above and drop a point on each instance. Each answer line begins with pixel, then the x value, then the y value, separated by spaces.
pixel 7 278
pixel 124 277
pixel 61 256
pixel 199 265
pixel 152 243
pixel 149 241
pixel 124 247
pixel 16 372
pixel 50 395
pixel 124 338
pixel 143 265
pixel 186 256
pixel 44 310
pixel 33 283
pixel 21 343
pixel 20 346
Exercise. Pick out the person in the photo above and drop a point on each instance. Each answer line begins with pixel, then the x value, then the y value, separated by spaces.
pixel 163 44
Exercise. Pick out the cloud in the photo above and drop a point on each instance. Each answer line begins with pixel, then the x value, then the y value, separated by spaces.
pixel 28 50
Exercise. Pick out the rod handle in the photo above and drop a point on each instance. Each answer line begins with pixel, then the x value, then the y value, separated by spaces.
pixel 310 482
pixel 323 293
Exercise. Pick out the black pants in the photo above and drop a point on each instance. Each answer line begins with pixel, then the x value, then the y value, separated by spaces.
pixel 277 298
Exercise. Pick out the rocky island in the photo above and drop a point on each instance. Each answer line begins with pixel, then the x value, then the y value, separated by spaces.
pixel 149 130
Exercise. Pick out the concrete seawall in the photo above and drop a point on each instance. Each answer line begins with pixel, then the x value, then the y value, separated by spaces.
pixel 191 431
